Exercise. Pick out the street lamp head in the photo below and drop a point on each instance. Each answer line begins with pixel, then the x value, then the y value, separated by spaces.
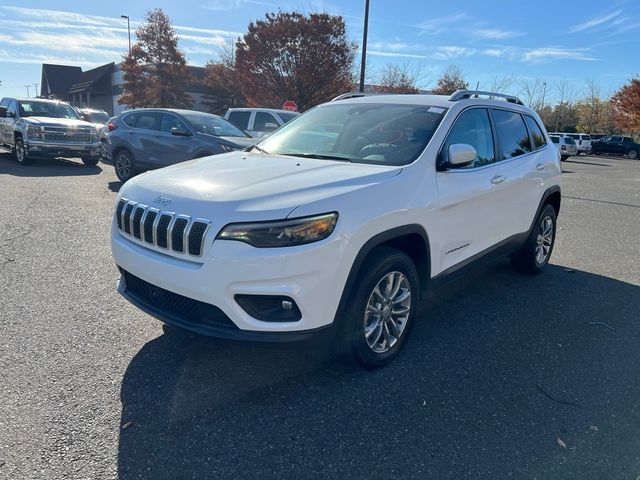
pixel 124 16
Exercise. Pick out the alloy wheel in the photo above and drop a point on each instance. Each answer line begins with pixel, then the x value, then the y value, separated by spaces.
pixel 544 240
pixel 20 153
pixel 123 165
pixel 387 312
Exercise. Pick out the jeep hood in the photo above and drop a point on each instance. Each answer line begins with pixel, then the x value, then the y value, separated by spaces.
pixel 247 185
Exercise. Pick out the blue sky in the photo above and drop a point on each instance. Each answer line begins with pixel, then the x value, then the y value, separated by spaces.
pixel 554 41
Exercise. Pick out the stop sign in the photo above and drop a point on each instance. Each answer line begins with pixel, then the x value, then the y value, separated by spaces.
pixel 290 105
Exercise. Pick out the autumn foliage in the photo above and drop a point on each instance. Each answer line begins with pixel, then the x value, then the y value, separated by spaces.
pixel 291 56
pixel 626 107
pixel 155 72
pixel 451 80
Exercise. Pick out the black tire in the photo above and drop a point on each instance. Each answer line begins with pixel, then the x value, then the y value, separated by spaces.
pixel 21 153
pixel 563 158
pixel 124 165
pixel 632 154
pixel 352 342
pixel 529 258
pixel 90 161
pixel 103 151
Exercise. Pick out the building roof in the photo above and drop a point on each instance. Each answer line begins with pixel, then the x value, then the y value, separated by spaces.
pixel 90 77
pixel 57 79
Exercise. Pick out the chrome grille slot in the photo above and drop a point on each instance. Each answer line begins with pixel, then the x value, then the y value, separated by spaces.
pixel 162 230
pixel 64 135
pixel 167 230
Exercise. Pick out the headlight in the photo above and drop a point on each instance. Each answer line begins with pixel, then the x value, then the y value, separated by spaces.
pixel 34 131
pixel 282 233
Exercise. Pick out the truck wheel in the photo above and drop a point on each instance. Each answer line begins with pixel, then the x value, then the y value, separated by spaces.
pixel 377 321
pixel 633 154
pixel 535 253
pixel 123 164
pixel 21 153
pixel 90 161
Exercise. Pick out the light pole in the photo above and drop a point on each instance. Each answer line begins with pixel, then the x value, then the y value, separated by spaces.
pixel 128 30
pixel 544 93
pixel 364 45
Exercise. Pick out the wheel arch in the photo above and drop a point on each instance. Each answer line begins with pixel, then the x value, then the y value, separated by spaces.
pixel 410 239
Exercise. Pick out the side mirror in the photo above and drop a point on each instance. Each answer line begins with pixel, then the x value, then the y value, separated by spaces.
pixel 3 112
pixel 180 132
pixel 270 126
pixel 461 155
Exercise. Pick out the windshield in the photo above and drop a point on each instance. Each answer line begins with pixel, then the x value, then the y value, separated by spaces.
pixel 213 125
pixel 376 133
pixel 47 109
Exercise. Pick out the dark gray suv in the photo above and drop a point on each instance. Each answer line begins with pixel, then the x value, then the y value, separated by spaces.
pixel 148 138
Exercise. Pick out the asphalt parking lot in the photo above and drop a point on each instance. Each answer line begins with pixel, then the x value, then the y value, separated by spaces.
pixel 505 376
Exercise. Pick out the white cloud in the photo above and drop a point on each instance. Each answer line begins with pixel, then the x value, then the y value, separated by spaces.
pixel 449 52
pixel 222 5
pixel 378 53
pixel 435 26
pixel 543 54
pixel 494 34
pixel 595 22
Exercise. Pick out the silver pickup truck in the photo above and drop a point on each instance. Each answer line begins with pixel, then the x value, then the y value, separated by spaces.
pixel 37 128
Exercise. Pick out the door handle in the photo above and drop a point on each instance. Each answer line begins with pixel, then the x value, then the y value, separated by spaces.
pixel 540 166
pixel 497 179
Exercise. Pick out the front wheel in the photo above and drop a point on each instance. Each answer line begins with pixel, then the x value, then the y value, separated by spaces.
pixel 536 252
pixel 123 164
pixel 379 317
pixel 632 154
pixel 21 153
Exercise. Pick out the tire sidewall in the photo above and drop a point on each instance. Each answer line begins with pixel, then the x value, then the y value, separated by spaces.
pixel 19 146
pixel 547 211
pixel 373 270
pixel 131 164
pixel 634 157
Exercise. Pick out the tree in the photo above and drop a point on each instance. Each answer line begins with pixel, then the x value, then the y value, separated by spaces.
pixel 533 93
pixel 155 72
pixel 451 80
pixel 399 79
pixel 291 56
pixel 626 106
pixel 221 83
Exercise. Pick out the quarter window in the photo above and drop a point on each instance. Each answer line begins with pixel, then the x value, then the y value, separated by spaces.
pixel 473 127
pixel 130 120
pixel 538 137
pixel 148 121
pixel 261 121
pixel 512 134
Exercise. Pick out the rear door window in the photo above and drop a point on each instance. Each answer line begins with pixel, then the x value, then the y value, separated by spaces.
pixel 240 119
pixel 149 121
pixel 513 137
pixel 536 132
pixel 261 121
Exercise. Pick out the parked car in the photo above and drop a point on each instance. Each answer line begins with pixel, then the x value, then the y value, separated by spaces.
pixel 259 122
pixel 582 140
pixel 149 138
pixel 565 145
pixel 340 231
pixel 93 115
pixel 37 128
pixel 617 145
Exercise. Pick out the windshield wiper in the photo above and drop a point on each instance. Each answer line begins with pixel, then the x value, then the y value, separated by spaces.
pixel 261 150
pixel 319 156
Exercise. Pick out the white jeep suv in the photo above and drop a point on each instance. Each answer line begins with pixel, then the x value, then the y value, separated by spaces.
pixel 341 220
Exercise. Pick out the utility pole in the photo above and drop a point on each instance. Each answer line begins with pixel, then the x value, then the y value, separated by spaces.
pixel 36 85
pixel 128 30
pixel 544 92
pixel 364 45
pixel 27 91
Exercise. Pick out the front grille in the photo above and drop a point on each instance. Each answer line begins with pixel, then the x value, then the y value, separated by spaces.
pixel 162 229
pixel 64 135
pixel 180 309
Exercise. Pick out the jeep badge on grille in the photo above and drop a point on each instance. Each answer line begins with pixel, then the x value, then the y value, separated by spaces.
pixel 164 201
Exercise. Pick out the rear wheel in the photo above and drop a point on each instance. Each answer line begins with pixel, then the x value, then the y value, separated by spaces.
pixel 21 153
pixel 536 252
pixel 632 154
pixel 123 164
pixel 377 322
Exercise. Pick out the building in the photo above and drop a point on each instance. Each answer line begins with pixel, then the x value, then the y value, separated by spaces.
pixel 99 87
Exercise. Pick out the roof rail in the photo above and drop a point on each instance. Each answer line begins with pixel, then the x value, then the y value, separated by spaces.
pixel 344 96
pixel 464 94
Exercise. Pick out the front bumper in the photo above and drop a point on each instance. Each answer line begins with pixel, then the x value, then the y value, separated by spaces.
pixel 313 275
pixel 67 150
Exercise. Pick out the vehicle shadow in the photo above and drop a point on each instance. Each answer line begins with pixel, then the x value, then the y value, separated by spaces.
pixel 46 167
pixel 498 367
pixel 114 186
